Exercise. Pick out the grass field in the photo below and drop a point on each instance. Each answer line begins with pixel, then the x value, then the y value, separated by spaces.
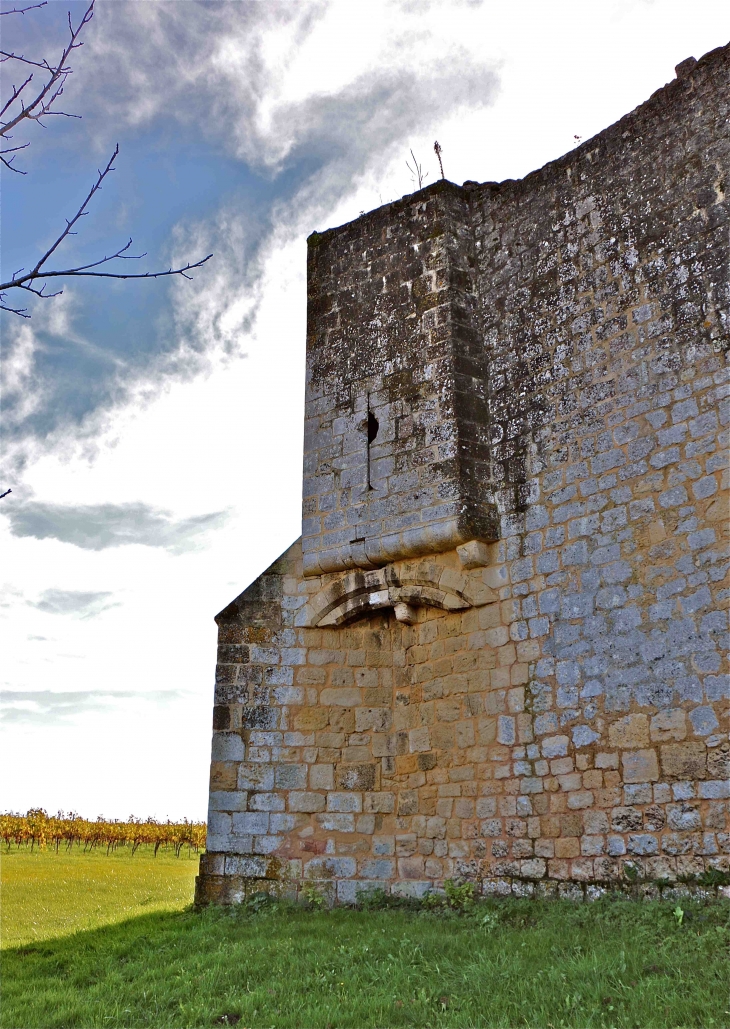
pixel 47 895
pixel 514 963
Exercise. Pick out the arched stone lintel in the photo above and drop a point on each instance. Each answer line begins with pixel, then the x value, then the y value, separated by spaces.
pixel 416 584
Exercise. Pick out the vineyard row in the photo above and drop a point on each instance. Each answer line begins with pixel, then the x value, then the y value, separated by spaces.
pixel 39 829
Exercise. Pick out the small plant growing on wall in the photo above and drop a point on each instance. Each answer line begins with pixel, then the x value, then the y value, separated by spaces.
pixel 417 172
pixel 314 897
pixel 437 149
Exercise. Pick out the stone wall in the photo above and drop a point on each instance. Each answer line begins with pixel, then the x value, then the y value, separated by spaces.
pixel 545 702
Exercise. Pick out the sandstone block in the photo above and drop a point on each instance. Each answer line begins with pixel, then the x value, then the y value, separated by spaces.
pixel 306 802
pixel 555 747
pixel 378 868
pixel 377 719
pixel 331 822
pixel 322 777
pixel 580 799
pixel 225 800
pixel 355 777
pixel 311 718
pixel 411 868
pixel 419 740
pixel 631 732
pixel 642 843
pixel 253 823
pixel 567 847
pixel 383 846
pixel 291 777
pixel 223 775
pixel 254 776
pixel 381 803
pixel 330 868
pixel 266 802
pixel 582 869
pixel 344 802
pixel 668 725
pixel 640 766
pixel 473 554
pixel 533 868
pixel 341 696
pixel 684 760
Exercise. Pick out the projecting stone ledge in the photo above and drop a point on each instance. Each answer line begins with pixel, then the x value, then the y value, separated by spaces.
pixel 377 550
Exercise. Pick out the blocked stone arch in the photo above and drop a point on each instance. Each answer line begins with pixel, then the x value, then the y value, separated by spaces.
pixel 404 588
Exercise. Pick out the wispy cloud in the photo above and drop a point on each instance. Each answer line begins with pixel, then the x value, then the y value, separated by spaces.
pixel 276 88
pixel 41 707
pixel 275 83
pixel 78 603
pixel 100 526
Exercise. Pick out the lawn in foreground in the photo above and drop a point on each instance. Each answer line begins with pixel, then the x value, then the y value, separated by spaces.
pixel 48 894
pixel 511 963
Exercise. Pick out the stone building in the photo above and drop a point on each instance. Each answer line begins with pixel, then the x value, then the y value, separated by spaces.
pixel 499 649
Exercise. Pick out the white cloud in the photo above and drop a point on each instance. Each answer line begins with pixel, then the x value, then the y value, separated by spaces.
pixel 21 394
pixel 98 526
pixel 77 603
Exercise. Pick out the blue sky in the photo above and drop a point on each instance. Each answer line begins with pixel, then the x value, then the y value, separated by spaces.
pixel 153 430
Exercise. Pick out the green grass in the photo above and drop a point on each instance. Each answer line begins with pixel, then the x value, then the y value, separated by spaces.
pixel 515 963
pixel 47 894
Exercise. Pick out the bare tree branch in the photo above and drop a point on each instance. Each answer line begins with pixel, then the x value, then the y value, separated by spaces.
pixel 23 282
pixel 79 214
pixel 34 281
pixel 22 10
pixel 9 162
pixel 17 90
pixel 41 105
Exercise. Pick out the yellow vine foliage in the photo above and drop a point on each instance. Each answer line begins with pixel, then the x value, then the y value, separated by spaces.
pixel 39 829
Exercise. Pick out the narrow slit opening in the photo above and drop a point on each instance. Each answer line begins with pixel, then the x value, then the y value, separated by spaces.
pixel 373 426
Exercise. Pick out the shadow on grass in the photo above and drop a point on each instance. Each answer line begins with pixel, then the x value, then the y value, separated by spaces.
pixel 514 963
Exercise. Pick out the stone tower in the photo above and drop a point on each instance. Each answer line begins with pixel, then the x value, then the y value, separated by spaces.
pixel 499 649
pixel 396 447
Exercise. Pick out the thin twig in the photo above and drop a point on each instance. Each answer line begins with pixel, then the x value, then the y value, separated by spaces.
pixel 16 94
pixel 40 106
pixel 22 10
pixel 23 282
pixel 79 214
pixel 417 171
pixel 9 163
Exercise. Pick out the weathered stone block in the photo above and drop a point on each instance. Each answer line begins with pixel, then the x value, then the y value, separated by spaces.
pixel 640 766
pixel 355 777
pixel 306 802
pixel 684 760
pixel 668 725
pixel 630 732
pixel 223 775
pixel 340 696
